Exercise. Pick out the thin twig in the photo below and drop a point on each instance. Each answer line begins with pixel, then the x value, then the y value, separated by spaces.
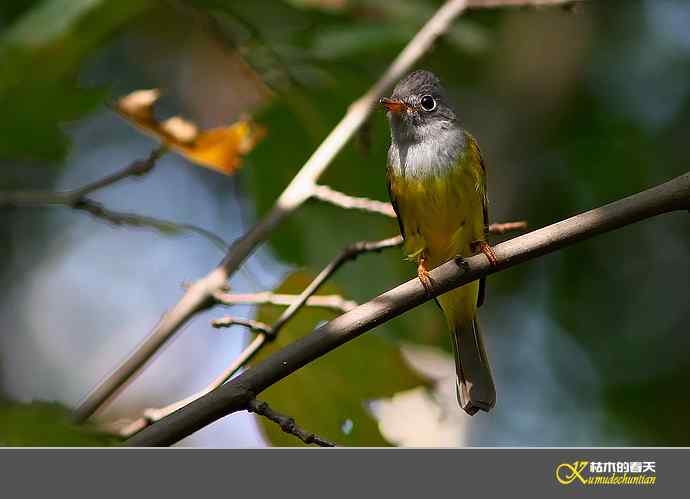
pixel 286 423
pixel 78 199
pixel 199 296
pixel 136 169
pixel 333 302
pixel 252 325
pixel 342 200
pixel 119 218
pixel 505 227
pixel 20 199
pixel 235 395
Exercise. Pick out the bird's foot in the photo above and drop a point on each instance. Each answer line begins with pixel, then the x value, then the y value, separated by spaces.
pixel 484 247
pixel 423 274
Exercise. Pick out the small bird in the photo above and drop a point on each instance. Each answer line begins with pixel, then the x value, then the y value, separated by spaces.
pixel 437 185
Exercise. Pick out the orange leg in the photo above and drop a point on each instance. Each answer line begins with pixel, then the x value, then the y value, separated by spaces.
pixel 423 274
pixel 484 247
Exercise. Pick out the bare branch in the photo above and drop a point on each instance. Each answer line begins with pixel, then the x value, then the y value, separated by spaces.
pixel 78 199
pixel 135 220
pixel 136 169
pixel 236 395
pixel 199 296
pixel 505 227
pixel 333 302
pixel 342 200
pixel 21 199
pixel 287 424
pixel 252 325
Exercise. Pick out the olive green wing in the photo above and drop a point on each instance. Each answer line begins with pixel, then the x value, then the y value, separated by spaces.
pixel 394 201
pixel 477 153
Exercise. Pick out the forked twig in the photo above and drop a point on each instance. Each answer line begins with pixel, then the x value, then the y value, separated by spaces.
pixel 286 423
pixel 252 325
pixel 78 199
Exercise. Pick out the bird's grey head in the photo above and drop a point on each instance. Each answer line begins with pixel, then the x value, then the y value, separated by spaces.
pixel 426 138
pixel 419 109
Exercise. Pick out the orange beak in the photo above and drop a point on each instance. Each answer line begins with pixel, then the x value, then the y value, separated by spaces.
pixel 393 105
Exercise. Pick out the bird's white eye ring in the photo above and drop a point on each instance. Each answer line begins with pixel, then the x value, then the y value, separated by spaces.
pixel 428 103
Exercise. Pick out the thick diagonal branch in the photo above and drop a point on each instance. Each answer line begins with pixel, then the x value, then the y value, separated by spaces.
pixel 236 394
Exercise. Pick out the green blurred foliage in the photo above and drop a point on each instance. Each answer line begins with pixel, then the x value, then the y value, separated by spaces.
pixel 47 424
pixel 329 396
pixel 40 55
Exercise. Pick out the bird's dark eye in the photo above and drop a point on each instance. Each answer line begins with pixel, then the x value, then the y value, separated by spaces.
pixel 428 103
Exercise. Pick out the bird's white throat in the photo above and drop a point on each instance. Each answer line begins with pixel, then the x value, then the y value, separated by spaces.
pixel 432 151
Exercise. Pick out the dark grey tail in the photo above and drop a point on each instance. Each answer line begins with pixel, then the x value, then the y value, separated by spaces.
pixel 475 385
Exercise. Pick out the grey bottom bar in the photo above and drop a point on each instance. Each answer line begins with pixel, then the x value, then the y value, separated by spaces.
pixel 619 472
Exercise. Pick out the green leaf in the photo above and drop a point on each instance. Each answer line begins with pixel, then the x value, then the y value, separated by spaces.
pixel 40 54
pixel 637 416
pixel 329 396
pixel 47 424
pixel 36 111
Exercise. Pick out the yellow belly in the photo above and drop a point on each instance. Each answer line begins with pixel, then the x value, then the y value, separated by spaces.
pixel 441 218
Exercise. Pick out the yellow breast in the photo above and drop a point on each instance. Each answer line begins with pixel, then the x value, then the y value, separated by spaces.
pixel 441 216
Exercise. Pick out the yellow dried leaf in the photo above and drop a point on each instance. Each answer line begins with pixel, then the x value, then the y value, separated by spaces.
pixel 220 149
pixel 139 104
pixel 180 129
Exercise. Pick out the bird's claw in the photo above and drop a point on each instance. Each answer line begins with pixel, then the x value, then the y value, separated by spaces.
pixel 487 250
pixel 423 274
